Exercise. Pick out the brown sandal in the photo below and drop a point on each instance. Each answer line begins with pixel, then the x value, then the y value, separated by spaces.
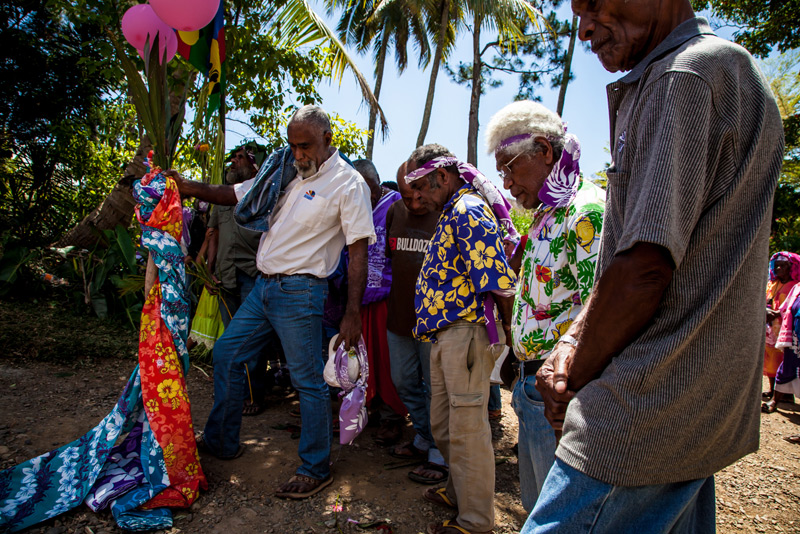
pixel 439 496
pixel 308 487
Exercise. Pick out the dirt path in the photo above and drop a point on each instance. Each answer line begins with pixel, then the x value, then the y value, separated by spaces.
pixel 43 406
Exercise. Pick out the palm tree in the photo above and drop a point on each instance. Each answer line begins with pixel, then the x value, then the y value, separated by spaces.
pixel 362 25
pixel 509 18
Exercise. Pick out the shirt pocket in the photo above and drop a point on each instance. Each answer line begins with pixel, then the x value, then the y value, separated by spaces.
pixel 315 214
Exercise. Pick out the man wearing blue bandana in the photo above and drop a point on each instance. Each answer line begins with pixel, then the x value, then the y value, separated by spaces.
pixel 465 270
pixel 538 163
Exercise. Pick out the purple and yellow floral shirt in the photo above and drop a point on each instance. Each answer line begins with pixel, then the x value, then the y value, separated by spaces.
pixel 465 260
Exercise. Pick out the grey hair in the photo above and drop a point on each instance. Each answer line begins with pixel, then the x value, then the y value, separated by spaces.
pixel 425 153
pixel 367 169
pixel 525 117
pixel 314 115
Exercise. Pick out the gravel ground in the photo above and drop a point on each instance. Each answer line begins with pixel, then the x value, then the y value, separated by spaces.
pixel 45 405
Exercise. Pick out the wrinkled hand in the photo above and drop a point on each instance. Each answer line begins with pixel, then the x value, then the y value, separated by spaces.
pixel 551 382
pixel 349 330
pixel 213 289
pixel 175 175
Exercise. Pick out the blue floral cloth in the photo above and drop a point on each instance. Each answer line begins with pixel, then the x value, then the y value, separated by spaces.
pixel 465 260
pixel 91 468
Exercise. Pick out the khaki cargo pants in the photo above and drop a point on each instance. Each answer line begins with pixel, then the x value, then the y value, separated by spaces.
pixel 461 363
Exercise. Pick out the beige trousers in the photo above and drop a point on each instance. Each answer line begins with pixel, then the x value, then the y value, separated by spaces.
pixel 461 363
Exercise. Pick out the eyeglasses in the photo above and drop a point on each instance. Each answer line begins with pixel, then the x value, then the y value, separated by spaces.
pixel 504 174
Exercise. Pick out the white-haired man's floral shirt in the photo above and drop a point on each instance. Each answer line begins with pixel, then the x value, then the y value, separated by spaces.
pixel 557 272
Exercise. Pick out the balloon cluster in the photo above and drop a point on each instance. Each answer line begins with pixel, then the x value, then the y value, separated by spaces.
pixel 144 22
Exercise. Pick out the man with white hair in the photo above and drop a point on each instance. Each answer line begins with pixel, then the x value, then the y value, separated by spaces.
pixel 538 162
pixel 310 203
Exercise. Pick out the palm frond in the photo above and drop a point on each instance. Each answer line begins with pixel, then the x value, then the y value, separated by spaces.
pixel 300 25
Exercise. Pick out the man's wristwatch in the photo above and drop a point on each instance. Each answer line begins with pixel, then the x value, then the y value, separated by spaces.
pixel 567 339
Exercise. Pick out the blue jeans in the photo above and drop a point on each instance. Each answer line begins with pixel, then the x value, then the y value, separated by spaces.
pixel 572 502
pixel 290 307
pixel 410 364
pixel 495 399
pixel 537 442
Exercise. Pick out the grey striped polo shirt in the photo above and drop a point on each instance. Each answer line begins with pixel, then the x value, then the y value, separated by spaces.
pixel 697 149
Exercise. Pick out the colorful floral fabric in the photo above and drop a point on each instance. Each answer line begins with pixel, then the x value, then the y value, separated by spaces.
pixel 557 272
pixel 156 465
pixel 465 260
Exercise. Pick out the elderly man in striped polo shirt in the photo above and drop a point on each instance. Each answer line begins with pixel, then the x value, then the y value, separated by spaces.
pixel 661 389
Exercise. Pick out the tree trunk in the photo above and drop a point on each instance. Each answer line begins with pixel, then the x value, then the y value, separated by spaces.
pixel 117 208
pixel 373 113
pixel 562 93
pixel 475 96
pixel 437 59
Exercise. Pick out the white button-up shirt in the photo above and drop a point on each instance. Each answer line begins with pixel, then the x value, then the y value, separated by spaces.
pixel 314 219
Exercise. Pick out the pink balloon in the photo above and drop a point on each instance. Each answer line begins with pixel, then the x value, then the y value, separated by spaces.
pixel 140 22
pixel 186 15
pixel 171 44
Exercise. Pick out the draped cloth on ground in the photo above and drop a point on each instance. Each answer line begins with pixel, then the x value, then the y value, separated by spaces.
pixel 156 466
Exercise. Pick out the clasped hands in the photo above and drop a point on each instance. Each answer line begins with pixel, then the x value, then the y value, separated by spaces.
pixel 552 381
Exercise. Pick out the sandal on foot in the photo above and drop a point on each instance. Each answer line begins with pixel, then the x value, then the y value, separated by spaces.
pixel 429 466
pixel 203 447
pixel 766 394
pixel 307 487
pixel 253 408
pixel 407 451
pixel 439 496
pixel 450 526
pixel 769 407
pixel 389 433
pixel 793 439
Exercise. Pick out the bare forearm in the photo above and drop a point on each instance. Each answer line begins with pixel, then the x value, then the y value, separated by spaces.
pixel 356 276
pixel 222 195
pixel 624 302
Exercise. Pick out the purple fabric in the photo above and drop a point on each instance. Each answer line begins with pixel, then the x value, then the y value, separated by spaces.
pixel 121 473
pixel 505 143
pixel 353 412
pixel 789 369
pixel 561 185
pixel 474 177
pixel 379 272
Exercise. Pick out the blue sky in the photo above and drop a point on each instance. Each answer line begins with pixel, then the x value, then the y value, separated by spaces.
pixel 403 100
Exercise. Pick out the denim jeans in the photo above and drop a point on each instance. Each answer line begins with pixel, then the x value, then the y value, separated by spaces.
pixel 574 503
pixel 290 307
pixel 410 362
pixel 495 398
pixel 537 442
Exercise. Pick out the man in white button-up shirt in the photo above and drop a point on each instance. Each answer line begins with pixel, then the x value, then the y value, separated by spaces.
pixel 323 209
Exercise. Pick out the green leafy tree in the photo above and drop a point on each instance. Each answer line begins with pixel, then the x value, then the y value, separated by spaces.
pixel 363 25
pixel 761 24
pixel 64 130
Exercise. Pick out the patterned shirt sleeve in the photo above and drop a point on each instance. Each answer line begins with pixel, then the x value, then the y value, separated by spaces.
pixel 481 245
pixel 583 245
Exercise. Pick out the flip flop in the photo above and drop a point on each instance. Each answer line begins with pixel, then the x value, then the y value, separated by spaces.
pixel 312 487
pixel 250 409
pixel 769 407
pixel 439 496
pixel 407 451
pixel 793 439
pixel 202 446
pixel 430 466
